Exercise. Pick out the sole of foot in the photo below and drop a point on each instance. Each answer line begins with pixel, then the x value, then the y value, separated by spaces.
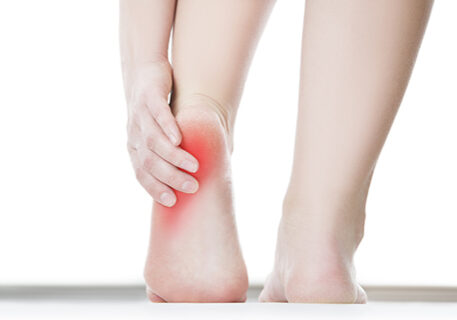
pixel 194 253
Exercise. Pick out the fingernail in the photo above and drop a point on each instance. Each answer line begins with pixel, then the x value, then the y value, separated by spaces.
pixel 189 166
pixel 189 186
pixel 167 199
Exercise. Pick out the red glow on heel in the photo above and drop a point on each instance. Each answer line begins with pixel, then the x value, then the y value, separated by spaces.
pixel 206 145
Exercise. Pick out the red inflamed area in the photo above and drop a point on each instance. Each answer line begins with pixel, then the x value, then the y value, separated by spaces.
pixel 205 144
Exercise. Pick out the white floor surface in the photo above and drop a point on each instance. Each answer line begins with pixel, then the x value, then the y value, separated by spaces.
pixel 134 306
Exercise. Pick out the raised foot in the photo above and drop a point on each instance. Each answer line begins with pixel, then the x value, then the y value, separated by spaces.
pixel 194 254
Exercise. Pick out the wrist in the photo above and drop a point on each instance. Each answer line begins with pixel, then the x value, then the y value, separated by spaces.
pixel 156 71
pixel 134 63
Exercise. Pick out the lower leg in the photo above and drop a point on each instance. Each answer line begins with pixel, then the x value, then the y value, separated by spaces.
pixel 357 57
pixel 213 45
pixel 194 254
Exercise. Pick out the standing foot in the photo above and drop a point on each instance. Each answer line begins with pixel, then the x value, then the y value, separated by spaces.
pixel 313 262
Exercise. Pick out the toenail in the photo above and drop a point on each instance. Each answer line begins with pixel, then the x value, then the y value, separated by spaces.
pixel 189 186
pixel 167 199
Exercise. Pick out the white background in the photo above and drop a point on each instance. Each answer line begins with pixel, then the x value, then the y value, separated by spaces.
pixel 71 211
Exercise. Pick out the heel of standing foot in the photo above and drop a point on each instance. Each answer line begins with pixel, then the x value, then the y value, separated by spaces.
pixel 314 266
pixel 325 288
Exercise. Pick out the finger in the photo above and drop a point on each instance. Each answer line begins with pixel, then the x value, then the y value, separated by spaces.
pixel 155 140
pixel 158 191
pixel 161 112
pixel 166 172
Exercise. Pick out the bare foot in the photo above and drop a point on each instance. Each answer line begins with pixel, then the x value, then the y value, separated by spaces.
pixel 194 254
pixel 313 262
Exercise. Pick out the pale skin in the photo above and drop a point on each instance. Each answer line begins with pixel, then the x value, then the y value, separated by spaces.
pixel 357 58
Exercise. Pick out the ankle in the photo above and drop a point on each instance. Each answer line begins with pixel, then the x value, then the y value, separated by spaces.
pixel 332 227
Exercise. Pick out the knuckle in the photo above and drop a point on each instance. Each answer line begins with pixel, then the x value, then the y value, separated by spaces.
pixel 148 163
pixel 151 142
pixel 175 179
pixel 132 149
pixel 170 153
pixel 162 148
